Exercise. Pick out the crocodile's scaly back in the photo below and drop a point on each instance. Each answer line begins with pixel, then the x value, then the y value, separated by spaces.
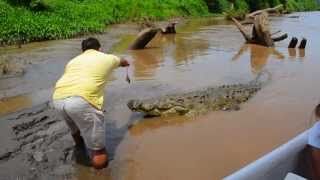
pixel 227 97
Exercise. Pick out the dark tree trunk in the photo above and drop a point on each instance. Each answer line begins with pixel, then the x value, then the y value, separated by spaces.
pixel 144 37
pixel 293 43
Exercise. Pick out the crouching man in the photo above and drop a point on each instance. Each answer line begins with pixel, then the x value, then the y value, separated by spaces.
pixel 78 97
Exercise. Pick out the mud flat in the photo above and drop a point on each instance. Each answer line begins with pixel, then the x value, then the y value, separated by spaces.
pixel 37 145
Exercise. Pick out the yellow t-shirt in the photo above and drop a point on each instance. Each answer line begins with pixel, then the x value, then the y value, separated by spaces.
pixel 86 76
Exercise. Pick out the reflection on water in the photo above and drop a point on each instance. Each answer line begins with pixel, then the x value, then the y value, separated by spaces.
pixel 259 56
pixel 146 62
pixel 123 44
pixel 85 173
pixel 180 47
pixel 155 123
pixel 186 49
pixel 14 104
pixel 197 24
pixel 293 53
pixel 302 53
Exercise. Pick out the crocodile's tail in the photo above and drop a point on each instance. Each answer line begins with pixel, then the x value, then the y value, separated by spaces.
pixel 262 78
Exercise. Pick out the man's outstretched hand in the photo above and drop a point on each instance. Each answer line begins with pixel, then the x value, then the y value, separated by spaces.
pixel 124 63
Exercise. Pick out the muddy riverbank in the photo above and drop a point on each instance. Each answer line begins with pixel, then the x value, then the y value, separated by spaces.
pixel 205 52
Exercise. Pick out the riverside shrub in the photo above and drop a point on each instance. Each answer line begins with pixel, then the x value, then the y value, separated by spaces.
pixel 21 22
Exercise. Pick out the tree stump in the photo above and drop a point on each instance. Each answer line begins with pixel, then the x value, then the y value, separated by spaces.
pixel 293 43
pixel 303 43
pixel 260 31
pixel 169 29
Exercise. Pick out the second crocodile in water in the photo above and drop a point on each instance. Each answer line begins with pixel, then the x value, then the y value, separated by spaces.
pixel 226 97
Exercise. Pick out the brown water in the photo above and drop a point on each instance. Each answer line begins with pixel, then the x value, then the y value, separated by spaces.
pixel 205 52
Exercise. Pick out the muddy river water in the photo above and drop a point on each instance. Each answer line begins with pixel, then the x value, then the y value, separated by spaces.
pixel 205 52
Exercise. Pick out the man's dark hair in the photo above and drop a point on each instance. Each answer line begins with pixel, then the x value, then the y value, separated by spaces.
pixel 90 43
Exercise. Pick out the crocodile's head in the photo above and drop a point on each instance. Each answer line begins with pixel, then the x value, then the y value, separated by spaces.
pixel 134 105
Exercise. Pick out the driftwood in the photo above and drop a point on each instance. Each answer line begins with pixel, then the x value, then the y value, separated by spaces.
pixel 274 10
pixel 303 44
pixel 280 38
pixel 144 37
pixel 259 56
pixel 293 43
pixel 260 32
pixel 249 18
pixel 169 29
pixel 149 32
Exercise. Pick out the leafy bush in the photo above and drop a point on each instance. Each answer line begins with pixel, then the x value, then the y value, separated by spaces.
pixel 241 5
pixel 36 5
pixel 302 5
pixel 244 6
pixel 218 6
pixel 67 18
pixel 239 14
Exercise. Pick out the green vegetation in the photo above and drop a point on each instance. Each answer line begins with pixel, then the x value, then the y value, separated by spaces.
pixel 35 20
pixel 241 7
pixel 23 21
pixel 302 5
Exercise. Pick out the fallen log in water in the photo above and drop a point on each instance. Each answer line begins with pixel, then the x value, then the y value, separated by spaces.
pixel 144 37
pixel 260 31
pixel 280 38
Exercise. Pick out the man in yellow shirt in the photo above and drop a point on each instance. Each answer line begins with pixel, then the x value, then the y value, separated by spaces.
pixel 78 98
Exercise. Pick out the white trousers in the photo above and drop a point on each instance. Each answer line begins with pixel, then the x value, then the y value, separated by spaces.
pixel 82 116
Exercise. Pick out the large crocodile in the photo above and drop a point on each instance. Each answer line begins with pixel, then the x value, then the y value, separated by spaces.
pixel 226 97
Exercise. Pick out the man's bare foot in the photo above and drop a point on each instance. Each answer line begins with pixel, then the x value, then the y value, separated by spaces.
pixel 99 159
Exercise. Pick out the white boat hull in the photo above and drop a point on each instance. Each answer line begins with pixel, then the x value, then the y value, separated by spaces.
pixel 276 164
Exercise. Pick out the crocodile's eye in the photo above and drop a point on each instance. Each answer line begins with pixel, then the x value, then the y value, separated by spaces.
pixel 131 104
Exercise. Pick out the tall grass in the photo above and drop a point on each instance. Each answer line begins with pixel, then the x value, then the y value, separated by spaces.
pixel 20 22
